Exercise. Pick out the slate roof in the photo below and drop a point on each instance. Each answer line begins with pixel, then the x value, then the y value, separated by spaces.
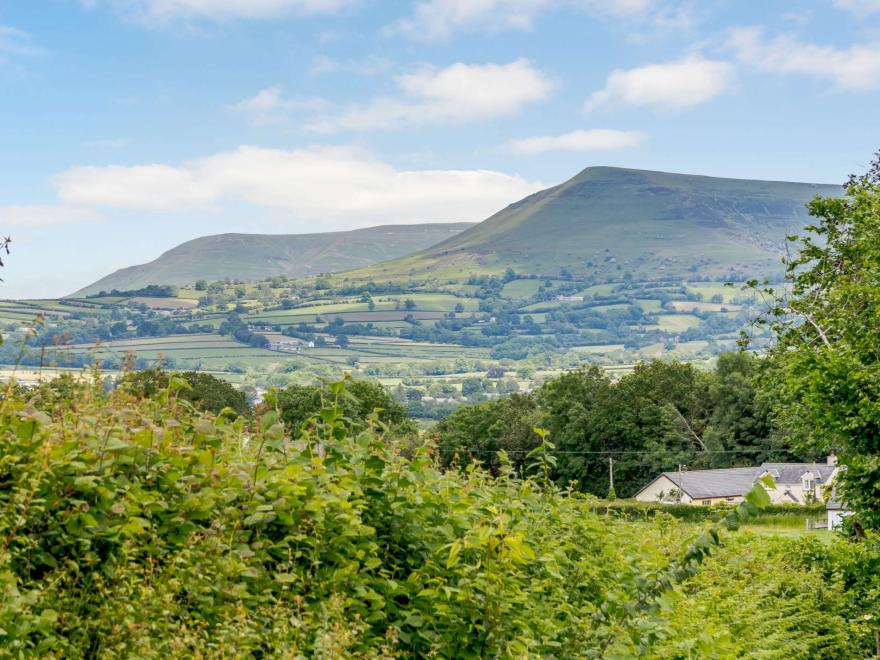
pixel 728 482
pixel 785 474
pixel 733 482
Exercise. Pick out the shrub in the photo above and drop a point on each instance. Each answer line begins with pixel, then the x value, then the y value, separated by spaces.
pixel 203 390
pixel 140 527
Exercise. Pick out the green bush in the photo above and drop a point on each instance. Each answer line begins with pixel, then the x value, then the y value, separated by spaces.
pixel 633 510
pixel 203 390
pixel 300 404
pixel 141 527
pixel 752 600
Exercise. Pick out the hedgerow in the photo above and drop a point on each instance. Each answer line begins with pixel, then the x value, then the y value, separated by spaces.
pixel 634 510
pixel 141 527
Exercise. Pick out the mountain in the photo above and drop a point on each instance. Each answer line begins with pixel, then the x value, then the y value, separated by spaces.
pixel 607 222
pixel 258 256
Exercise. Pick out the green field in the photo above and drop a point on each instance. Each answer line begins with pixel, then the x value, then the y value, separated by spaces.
pixel 727 293
pixel 519 289
pixel 695 306
pixel 599 348
pixel 677 322
pixel 543 306
pixel 605 308
pixel 597 290
pixel 649 304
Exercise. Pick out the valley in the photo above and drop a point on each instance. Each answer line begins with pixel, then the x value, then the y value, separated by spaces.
pixel 611 268
pixel 449 329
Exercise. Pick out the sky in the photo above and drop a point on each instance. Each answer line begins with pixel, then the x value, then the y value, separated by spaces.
pixel 130 126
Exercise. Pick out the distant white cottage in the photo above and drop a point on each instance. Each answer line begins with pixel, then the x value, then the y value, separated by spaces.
pixel 795 483
pixel 836 510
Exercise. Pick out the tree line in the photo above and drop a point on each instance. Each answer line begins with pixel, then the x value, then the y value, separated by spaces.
pixel 662 415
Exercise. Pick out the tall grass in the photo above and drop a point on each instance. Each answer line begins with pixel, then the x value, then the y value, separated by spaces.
pixel 794 520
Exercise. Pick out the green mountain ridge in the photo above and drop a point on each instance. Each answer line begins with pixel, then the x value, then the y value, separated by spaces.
pixel 260 256
pixel 608 221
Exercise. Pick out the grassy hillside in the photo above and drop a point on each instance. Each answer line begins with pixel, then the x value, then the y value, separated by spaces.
pixel 258 256
pixel 632 267
pixel 606 222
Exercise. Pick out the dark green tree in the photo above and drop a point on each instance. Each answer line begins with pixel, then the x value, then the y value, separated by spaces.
pixel 359 399
pixel 825 358
pixel 741 419
pixel 471 386
pixel 579 412
pixel 479 432
pixel 204 391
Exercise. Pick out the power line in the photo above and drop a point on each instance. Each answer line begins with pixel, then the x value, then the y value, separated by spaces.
pixel 607 452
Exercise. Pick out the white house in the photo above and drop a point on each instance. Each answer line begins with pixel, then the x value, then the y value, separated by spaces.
pixel 836 510
pixel 795 483
pixel 800 483
pixel 699 486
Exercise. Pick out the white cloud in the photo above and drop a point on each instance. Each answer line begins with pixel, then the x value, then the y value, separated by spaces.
pixel 324 185
pixel 167 10
pixel 149 187
pixel 854 68
pixel 434 20
pixel 45 215
pixel 582 140
pixel 269 106
pixel 858 6
pixel 458 93
pixel 671 85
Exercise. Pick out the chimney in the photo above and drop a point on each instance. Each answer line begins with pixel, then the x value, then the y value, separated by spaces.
pixel 832 459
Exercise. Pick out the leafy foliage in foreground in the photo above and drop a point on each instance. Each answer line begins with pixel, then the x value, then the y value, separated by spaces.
pixel 771 597
pixel 825 361
pixel 141 527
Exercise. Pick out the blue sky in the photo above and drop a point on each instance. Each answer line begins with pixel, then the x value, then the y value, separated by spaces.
pixel 129 126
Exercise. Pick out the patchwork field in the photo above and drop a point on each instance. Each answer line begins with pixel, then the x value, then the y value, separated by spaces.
pixel 445 343
pixel 697 306
pixel 677 322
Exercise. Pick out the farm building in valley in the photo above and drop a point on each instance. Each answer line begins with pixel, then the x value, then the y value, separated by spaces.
pixel 795 483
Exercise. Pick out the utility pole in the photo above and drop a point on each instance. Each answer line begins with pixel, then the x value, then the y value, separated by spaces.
pixel 611 475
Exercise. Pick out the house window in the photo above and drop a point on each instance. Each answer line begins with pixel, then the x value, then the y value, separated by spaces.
pixel 706 502
pixel 729 499
pixel 809 484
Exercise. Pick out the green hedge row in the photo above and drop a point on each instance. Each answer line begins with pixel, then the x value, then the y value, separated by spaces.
pixel 632 509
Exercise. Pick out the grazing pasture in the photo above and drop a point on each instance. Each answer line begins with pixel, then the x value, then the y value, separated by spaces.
pixel 677 322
